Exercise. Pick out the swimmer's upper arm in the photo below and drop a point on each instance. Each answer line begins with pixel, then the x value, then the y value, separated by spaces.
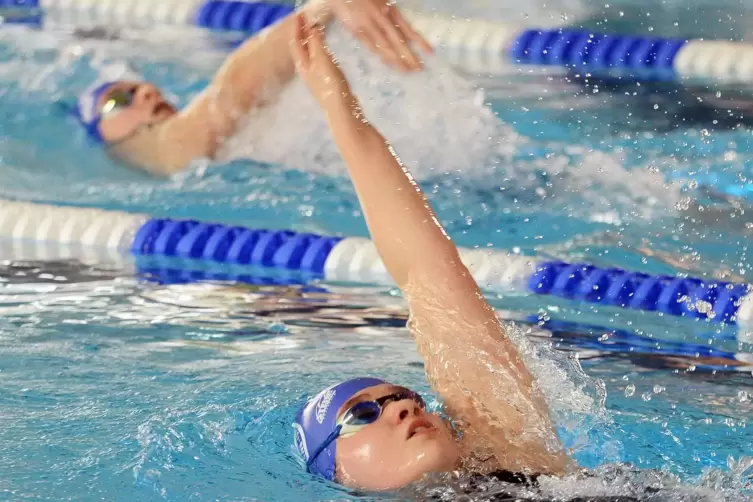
pixel 186 137
pixel 479 374
pixel 169 147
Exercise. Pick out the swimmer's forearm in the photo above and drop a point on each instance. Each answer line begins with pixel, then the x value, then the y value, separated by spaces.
pixel 264 62
pixel 400 219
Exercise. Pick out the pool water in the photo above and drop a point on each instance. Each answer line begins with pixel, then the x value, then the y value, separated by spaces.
pixel 121 388
pixel 117 389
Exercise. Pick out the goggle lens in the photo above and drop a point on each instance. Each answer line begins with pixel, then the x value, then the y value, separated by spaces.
pixel 119 99
pixel 363 413
pixel 368 412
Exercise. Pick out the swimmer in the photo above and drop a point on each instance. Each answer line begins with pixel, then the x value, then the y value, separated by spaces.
pixel 372 434
pixel 138 126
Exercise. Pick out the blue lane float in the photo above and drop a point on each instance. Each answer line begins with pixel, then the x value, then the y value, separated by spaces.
pixel 237 245
pixel 246 17
pixel 582 49
pixel 677 296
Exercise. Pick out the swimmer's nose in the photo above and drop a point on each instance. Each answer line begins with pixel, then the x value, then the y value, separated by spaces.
pixel 147 94
pixel 399 411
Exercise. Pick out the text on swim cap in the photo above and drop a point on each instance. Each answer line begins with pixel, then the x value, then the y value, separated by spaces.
pixel 323 405
pixel 300 441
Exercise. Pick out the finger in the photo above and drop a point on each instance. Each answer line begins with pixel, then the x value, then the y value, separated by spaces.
pixel 399 44
pixel 317 34
pixel 410 33
pixel 367 32
pixel 387 58
pixel 316 43
pixel 300 43
pixel 384 48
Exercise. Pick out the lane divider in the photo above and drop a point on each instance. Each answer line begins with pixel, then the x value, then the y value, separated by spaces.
pixel 354 259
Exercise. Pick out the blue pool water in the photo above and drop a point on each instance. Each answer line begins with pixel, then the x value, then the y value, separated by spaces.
pixel 119 389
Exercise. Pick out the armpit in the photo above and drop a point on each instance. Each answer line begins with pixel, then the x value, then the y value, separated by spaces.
pixel 494 407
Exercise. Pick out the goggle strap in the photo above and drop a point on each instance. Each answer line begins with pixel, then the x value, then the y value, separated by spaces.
pixel 325 444
pixel 93 129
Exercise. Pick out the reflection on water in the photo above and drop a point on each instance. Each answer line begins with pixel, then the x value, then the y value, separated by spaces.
pixel 236 310
pixel 13 273
pixel 160 385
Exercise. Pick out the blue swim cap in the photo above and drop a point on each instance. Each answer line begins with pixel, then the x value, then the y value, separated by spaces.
pixel 87 112
pixel 316 421
pixel 86 109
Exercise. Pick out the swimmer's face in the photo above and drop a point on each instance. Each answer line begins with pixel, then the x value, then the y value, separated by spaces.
pixel 128 106
pixel 402 445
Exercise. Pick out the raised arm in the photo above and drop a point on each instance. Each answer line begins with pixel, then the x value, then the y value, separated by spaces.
pixel 248 76
pixel 477 370
pixel 257 69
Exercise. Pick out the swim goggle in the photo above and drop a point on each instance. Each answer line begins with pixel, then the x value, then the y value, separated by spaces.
pixel 118 100
pixel 362 414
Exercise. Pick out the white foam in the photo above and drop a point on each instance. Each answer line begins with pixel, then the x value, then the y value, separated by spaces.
pixel 435 119
pixel 609 189
pixel 576 400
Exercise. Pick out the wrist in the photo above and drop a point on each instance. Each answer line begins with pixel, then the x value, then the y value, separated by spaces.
pixel 318 11
pixel 341 103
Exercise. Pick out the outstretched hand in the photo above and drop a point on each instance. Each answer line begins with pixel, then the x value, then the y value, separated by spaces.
pixel 380 26
pixel 315 63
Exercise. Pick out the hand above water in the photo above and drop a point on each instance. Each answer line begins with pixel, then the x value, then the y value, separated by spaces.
pixel 380 26
pixel 315 63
